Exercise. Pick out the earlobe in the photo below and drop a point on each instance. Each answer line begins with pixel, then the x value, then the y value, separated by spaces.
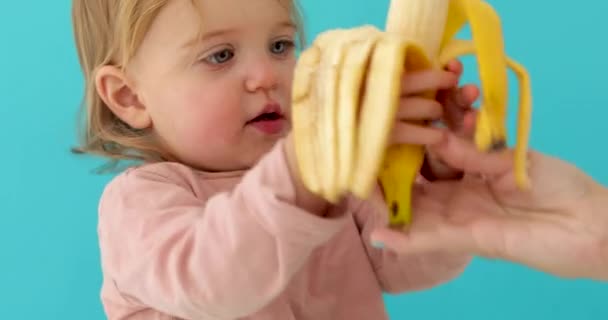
pixel 120 96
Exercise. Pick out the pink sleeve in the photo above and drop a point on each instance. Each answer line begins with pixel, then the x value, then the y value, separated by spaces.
pixel 220 258
pixel 398 274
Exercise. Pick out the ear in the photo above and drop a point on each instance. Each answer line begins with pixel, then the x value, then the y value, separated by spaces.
pixel 120 96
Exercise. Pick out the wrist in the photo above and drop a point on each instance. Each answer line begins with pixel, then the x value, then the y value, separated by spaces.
pixel 304 198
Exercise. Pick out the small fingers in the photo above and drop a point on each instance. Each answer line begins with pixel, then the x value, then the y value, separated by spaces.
pixel 408 133
pixel 469 93
pixel 417 108
pixel 455 66
pixel 457 103
pixel 468 124
pixel 417 82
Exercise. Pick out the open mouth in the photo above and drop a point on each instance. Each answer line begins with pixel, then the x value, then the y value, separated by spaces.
pixel 269 122
pixel 269 116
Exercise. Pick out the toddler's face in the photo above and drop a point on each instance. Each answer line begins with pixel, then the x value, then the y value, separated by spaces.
pixel 221 101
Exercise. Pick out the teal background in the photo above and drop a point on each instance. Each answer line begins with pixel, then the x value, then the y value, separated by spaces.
pixel 49 262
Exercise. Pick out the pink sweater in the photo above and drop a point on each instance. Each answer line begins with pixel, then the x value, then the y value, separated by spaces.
pixel 183 244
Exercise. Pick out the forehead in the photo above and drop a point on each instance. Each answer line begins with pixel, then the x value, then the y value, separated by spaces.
pixel 182 26
pixel 235 12
pixel 182 17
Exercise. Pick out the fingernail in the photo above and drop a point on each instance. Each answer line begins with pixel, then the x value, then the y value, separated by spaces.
pixel 377 244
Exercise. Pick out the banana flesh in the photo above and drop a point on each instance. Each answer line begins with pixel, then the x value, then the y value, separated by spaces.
pixel 346 92
pixel 325 101
pixel 353 75
pixel 345 96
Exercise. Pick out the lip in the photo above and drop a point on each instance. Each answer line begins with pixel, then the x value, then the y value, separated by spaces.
pixel 269 126
pixel 271 107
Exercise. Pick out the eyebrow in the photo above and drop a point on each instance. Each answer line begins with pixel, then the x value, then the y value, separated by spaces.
pixel 221 32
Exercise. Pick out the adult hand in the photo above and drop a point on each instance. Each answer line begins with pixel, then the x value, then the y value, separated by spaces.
pixel 559 225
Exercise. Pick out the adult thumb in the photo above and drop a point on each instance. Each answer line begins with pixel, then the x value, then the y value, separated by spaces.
pixel 462 154
pixel 452 240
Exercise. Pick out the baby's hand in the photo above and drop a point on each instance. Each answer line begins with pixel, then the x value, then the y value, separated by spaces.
pixel 458 116
pixel 416 112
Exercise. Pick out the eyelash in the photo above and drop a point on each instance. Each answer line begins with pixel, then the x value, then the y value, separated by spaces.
pixel 288 45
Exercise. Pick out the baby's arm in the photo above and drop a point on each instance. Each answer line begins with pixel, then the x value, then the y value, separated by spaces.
pixel 222 258
pixel 398 274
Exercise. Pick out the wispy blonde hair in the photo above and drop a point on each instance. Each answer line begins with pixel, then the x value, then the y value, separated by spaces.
pixel 109 32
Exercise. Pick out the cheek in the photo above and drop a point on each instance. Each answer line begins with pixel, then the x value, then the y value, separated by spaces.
pixel 286 81
pixel 288 70
pixel 210 114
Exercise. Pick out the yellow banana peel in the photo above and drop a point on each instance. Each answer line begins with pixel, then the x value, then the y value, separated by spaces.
pixel 346 92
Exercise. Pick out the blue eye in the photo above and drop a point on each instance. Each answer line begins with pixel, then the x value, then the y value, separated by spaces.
pixel 281 46
pixel 220 56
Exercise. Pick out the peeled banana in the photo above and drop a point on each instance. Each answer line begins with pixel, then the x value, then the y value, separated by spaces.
pixel 346 91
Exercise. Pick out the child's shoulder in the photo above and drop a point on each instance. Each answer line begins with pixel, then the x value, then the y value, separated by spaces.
pixel 150 181
pixel 161 180
pixel 159 172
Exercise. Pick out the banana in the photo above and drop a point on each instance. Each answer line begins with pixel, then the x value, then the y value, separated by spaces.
pixel 421 22
pixel 346 92
pixel 433 24
pixel 392 57
pixel 328 79
pixel 353 76
pixel 304 117
pixel 326 82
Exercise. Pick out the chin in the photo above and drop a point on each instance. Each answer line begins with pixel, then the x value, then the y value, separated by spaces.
pixel 263 148
pixel 244 158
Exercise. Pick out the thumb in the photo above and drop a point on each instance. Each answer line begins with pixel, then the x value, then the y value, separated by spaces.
pixel 499 238
pixel 461 154
pixel 413 241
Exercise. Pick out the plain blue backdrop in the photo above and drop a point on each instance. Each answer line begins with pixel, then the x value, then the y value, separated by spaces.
pixel 49 260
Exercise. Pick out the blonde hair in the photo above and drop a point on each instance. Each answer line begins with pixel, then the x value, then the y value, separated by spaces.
pixel 109 32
